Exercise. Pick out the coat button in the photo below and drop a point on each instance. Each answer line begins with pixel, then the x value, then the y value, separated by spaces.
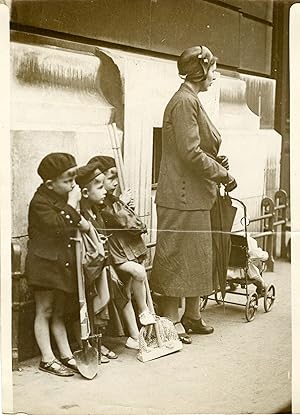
pixel 68 216
pixel 69 246
pixel 67 264
pixel 71 221
pixel 62 212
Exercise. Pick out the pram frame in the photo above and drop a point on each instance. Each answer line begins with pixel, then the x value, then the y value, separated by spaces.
pixel 252 297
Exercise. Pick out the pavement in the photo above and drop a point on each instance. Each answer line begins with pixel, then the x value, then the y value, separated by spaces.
pixel 243 367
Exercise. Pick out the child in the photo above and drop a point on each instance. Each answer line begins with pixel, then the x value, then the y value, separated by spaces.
pixel 255 265
pixel 50 262
pixel 91 181
pixel 128 252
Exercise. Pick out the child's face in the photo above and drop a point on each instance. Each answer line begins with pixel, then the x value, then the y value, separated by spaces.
pixel 111 180
pixel 64 183
pixel 96 191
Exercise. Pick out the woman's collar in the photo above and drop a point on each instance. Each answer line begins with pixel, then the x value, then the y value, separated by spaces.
pixel 188 87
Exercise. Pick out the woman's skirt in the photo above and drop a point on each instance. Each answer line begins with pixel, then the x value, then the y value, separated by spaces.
pixel 183 261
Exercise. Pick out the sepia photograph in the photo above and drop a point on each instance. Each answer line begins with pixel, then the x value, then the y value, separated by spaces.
pixel 147 249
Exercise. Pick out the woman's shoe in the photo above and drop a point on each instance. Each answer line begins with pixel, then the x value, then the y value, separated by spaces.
pixel 196 326
pixel 67 361
pixel 55 367
pixel 183 337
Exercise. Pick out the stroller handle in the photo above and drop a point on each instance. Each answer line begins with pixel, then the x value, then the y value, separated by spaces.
pixel 244 218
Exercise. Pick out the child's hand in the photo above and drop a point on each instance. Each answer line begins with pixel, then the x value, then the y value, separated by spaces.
pixel 84 225
pixel 114 277
pixel 131 204
pixel 126 198
pixel 103 238
pixel 74 196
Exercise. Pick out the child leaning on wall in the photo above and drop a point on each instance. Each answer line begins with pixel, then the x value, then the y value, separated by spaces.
pixel 91 181
pixel 50 263
pixel 127 252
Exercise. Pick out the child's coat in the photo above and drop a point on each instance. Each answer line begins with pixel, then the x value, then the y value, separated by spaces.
pixel 50 261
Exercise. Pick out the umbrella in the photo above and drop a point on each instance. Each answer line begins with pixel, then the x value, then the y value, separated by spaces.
pixel 222 217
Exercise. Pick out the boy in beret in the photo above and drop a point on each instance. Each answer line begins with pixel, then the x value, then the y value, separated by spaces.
pixel 50 263
pixel 127 252
pixel 91 181
pixel 107 165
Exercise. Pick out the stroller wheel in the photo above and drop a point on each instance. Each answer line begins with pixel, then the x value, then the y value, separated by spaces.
pixel 269 297
pixel 203 302
pixel 251 306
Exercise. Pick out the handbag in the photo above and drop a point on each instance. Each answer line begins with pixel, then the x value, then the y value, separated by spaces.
pixel 93 258
pixel 121 217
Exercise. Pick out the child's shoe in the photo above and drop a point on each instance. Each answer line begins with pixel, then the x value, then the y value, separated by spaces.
pixel 132 343
pixel 261 290
pixel 55 367
pixel 103 359
pixel 70 363
pixel 146 318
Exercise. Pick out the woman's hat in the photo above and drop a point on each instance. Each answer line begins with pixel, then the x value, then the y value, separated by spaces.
pixel 86 174
pixel 103 162
pixel 194 62
pixel 54 164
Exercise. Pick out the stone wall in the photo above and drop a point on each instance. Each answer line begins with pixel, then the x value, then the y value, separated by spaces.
pixel 62 100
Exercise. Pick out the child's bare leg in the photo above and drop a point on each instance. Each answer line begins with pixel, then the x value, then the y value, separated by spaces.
pixel 129 315
pixel 259 282
pixel 138 274
pixel 43 312
pixel 58 327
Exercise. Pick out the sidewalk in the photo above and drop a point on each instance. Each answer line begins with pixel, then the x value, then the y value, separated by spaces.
pixel 241 368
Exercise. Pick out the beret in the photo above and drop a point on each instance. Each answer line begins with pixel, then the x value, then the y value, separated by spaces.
pixel 104 162
pixel 86 174
pixel 54 164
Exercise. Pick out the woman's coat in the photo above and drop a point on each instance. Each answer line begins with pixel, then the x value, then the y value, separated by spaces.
pixel 188 172
pixel 186 193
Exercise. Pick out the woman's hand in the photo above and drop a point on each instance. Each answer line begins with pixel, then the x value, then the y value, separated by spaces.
pixel 127 199
pixel 223 160
pixel 231 184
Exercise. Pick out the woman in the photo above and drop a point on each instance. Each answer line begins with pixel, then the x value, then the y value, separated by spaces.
pixel 190 173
